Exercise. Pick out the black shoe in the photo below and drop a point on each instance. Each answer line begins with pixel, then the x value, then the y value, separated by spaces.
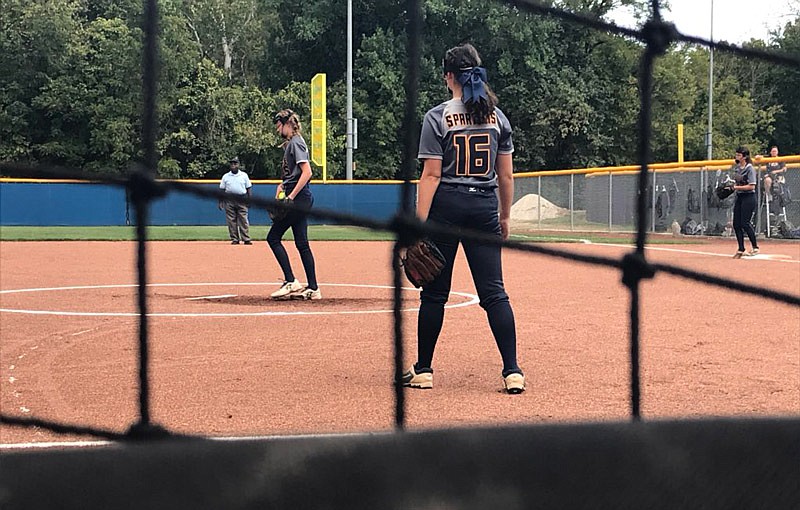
pixel 248 242
pixel 234 242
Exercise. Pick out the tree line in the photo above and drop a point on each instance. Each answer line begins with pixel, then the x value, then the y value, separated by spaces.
pixel 71 91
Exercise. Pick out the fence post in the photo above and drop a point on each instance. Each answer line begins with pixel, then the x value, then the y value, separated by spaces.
pixel 610 200
pixel 539 200
pixel 572 202
pixel 653 204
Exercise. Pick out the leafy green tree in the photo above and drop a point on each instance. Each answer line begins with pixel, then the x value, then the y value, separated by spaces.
pixel 94 107
pixel 675 91
pixel 229 33
pixel 35 40
pixel 784 81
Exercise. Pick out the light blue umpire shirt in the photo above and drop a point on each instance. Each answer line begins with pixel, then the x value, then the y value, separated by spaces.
pixel 235 183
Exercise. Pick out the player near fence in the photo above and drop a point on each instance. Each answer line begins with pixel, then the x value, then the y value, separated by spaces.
pixel 467 151
pixel 776 172
pixel 293 189
pixel 745 205
pixel 236 183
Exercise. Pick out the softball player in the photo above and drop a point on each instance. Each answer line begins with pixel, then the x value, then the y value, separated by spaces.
pixel 296 172
pixel 467 152
pixel 745 204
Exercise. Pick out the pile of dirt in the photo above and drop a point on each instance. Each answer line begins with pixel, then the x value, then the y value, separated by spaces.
pixel 527 209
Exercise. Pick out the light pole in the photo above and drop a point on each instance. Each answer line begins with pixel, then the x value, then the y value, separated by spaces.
pixel 710 88
pixel 349 121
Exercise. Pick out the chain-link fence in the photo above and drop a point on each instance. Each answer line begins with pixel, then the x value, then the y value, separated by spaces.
pixel 682 198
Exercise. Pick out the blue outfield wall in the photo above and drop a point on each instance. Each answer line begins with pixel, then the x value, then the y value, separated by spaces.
pixel 91 204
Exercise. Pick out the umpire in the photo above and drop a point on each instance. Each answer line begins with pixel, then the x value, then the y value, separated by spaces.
pixel 236 183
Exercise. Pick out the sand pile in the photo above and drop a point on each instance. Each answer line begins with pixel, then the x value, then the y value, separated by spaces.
pixel 527 209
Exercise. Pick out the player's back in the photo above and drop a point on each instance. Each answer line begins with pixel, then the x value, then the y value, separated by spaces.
pixel 469 146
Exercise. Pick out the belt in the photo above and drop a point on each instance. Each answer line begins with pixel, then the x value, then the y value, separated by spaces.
pixel 470 188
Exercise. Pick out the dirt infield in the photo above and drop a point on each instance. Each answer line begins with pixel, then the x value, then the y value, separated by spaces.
pixel 228 361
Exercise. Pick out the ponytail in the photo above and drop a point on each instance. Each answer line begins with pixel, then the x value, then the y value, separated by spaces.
pixel 464 62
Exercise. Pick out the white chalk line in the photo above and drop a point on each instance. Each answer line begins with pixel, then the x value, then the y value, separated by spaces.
pixel 221 296
pixel 761 256
pixel 99 443
pixel 472 299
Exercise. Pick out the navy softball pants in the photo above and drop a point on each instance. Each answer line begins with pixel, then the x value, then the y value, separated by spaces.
pixel 474 209
pixel 298 222
pixel 743 210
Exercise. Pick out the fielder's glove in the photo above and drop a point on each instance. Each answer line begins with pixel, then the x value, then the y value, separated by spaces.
pixel 725 189
pixel 422 263
pixel 279 213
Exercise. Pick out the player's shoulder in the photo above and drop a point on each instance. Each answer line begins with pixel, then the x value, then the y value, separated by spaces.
pixel 500 115
pixel 438 110
pixel 298 140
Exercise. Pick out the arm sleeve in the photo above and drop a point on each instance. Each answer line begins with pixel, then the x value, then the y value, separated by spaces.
pixel 300 151
pixel 222 183
pixel 504 143
pixel 750 176
pixel 430 145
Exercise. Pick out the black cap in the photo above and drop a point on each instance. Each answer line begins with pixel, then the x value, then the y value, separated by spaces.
pixel 234 159
pixel 282 116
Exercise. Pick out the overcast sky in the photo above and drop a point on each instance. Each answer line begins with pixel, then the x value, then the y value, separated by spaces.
pixel 735 21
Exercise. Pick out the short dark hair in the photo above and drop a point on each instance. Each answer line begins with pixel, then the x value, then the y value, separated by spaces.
pixel 744 151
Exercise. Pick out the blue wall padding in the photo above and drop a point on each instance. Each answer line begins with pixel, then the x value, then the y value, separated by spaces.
pixel 87 204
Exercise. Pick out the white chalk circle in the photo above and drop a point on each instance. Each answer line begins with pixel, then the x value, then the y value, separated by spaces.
pixel 472 299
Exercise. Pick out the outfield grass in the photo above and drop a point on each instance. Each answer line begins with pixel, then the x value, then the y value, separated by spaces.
pixel 179 233
pixel 315 233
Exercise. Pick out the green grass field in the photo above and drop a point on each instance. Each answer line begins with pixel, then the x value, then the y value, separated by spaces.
pixel 259 233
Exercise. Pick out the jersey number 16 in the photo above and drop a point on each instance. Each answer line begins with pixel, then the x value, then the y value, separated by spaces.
pixel 473 154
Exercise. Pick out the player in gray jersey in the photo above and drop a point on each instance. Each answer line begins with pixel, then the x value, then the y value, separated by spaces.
pixel 467 182
pixel 745 204
pixel 296 173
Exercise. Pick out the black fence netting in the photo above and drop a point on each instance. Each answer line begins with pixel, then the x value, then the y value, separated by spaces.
pixel 644 465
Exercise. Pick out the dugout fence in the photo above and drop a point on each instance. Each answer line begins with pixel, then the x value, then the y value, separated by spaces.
pixel 604 199
pixel 718 464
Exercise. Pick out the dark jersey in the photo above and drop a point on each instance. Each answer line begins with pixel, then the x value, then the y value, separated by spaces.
pixel 777 165
pixel 295 152
pixel 468 150
pixel 746 175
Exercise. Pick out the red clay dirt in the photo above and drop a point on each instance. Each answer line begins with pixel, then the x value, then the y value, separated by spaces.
pixel 280 368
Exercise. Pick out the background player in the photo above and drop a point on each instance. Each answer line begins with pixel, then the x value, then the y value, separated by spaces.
pixel 745 204
pixel 296 173
pixel 466 148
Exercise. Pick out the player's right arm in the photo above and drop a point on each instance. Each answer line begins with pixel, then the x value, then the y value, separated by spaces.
pixel 505 182
pixel 428 183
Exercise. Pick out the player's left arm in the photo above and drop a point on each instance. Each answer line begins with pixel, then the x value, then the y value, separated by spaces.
pixel 505 181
